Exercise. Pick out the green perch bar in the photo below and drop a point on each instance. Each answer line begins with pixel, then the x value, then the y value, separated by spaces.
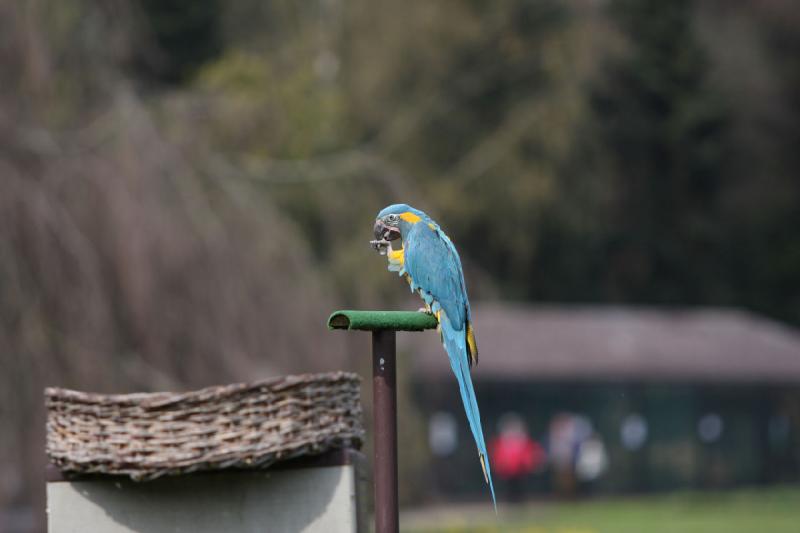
pixel 382 320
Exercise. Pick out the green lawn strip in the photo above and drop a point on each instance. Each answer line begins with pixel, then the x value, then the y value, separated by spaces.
pixel 776 510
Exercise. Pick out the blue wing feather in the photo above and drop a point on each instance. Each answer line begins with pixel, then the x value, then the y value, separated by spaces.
pixel 434 266
pixel 435 269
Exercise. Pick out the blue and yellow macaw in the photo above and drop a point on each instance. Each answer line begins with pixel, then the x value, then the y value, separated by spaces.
pixel 430 263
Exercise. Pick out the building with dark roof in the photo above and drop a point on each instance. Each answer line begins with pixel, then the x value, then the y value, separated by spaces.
pixel 679 398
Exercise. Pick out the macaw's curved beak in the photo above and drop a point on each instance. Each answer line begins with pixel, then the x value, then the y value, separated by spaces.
pixel 384 232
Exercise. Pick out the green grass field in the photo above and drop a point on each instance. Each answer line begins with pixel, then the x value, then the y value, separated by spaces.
pixel 774 510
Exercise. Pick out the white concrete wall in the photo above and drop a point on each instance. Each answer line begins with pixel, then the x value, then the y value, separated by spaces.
pixel 283 501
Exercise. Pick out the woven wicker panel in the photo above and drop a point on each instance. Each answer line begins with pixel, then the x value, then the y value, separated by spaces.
pixel 147 435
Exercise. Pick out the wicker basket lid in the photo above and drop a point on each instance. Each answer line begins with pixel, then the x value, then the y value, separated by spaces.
pixel 147 435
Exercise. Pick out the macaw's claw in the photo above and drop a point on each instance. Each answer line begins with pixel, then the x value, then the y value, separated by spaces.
pixel 381 246
pixel 427 311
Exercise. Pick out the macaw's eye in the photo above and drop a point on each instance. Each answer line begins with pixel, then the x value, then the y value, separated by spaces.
pixel 393 218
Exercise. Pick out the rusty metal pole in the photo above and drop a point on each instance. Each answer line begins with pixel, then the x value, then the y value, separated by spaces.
pixel 384 403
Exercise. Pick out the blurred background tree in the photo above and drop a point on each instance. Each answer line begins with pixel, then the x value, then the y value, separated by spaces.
pixel 658 132
pixel 188 186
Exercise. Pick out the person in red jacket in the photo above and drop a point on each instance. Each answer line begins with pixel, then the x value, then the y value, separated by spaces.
pixel 514 455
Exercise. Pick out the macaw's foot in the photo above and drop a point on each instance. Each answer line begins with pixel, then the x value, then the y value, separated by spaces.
pixel 381 246
pixel 425 310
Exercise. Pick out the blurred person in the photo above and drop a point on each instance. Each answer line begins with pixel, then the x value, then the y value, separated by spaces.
pixel 566 434
pixel 515 455
pixel 591 461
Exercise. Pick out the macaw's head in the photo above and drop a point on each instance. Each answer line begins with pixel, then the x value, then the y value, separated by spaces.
pixel 394 221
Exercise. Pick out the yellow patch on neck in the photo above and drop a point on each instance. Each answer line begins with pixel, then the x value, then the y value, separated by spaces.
pixel 408 216
pixel 396 256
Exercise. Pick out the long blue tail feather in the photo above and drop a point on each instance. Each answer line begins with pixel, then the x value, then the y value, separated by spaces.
pixel 455 345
